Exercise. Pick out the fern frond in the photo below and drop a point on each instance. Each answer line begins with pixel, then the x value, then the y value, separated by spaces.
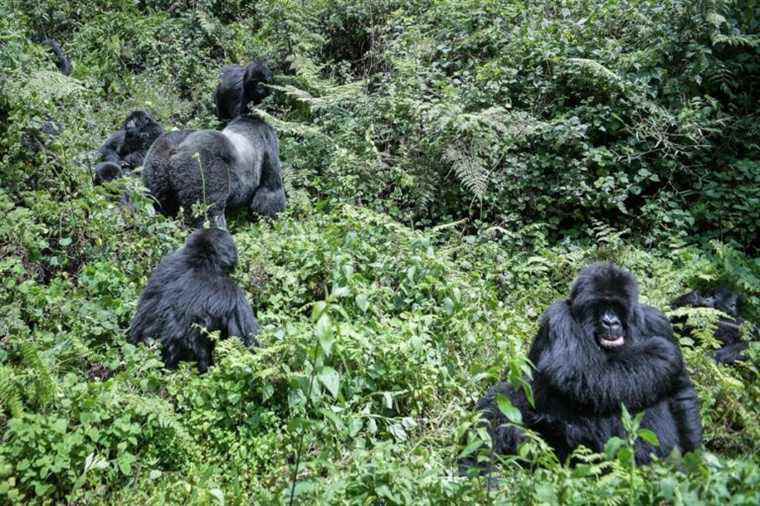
pixel 42 378
pixel 468 168
pixel 9 395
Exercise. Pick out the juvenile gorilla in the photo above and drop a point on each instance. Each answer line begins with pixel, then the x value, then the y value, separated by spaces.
pixel 127 147
pixel 190 290
pixel 237 167
pixel 595 351
pixel 729 330
pixel 229 92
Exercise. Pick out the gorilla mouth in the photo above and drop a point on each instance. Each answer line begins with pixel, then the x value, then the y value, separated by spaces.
pixel 611 341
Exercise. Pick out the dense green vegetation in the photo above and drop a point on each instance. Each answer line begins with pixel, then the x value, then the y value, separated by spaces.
pixel 450 165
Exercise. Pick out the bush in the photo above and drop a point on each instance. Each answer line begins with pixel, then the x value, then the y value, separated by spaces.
pixel 450 166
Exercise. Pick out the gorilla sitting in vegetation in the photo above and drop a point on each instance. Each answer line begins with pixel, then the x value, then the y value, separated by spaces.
pixel 191 293
pixel 127 146
pixel 728 331
pixel 595 351
pixel 229 92
pixel 237 167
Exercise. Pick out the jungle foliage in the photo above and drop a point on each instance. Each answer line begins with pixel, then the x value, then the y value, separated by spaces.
pixel 450 165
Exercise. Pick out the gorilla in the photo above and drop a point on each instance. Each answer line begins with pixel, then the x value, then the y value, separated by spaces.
pixel 105 172
pixel 61 60
pixel 38 138
pixel 229 92
pixel 190 290
pixel 729 330
pixel 237 167
pixel 127 146
pixel 595 351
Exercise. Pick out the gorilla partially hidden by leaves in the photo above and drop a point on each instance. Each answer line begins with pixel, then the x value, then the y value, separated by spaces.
pixel 190 294
pixel 595 351
pixel 728 331
pixel 237 167
pixel 125 149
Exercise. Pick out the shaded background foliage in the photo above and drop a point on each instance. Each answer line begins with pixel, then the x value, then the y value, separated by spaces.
pixel 450 165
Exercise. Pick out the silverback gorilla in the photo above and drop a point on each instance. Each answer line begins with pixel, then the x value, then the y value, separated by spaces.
pixel 595 351
pixel 728 331
pixel 229 92
pixel 191 290
pixel 237 167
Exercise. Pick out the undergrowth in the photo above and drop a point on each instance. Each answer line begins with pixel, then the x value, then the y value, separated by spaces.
pixel 450 166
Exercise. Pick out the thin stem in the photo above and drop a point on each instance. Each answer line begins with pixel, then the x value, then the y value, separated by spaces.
pixel 300 440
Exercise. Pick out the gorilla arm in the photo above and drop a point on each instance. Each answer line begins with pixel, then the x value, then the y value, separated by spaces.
pixel 684 404
pixel 572 365
pixel 269 198
pixel 109 151
pixel 241 322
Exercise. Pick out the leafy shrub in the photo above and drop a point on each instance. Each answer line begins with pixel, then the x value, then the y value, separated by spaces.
pixel 434 154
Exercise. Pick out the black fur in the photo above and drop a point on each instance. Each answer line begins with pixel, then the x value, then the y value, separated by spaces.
pixel 192 288
pixel 39 138
pixel 105 172
pixel 728 331
pixel 237 167
pixel 229 92
pixel 127 146
pixel 579 384
pixel 61 60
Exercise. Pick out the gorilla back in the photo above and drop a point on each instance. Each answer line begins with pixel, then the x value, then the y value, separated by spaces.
pixel 237 167
pixel 192 288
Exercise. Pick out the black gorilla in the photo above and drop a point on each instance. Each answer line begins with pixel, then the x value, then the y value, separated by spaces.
pixel 61 60
pixel 127 146
pixel 105 172
pixel 729 330
pixel 38 138
pixel 192 289
pixel 237 167
pixel 594 351
pixel 229 92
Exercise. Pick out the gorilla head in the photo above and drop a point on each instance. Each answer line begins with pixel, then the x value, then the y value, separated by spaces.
pixel 602 301
pixel 257 75
pixel 239 87
pixel 105 172
pixel 721 299
pixel 213 251
pixel 725 300
pixel 140 130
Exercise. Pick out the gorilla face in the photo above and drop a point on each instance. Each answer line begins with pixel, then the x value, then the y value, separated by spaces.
pixel 609 327
pixel 602 301
pixel 140 130
pixel 725 300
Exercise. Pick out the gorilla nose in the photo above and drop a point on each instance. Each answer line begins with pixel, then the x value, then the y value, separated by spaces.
pixel 610 322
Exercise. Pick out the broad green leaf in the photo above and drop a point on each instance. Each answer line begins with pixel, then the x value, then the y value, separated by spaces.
pixel 505 406
pixel 330 378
